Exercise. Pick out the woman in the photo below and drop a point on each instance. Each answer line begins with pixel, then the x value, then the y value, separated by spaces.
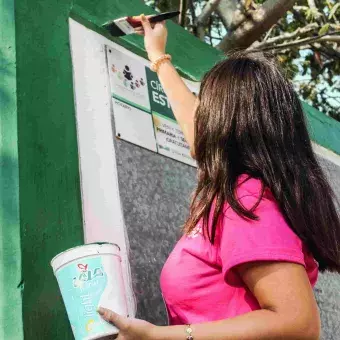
pixel 261 213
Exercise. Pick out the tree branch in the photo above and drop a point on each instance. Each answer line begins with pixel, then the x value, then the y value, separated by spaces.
pixel 193 17
pixel 203 18
pixel 331 38
pixel 231 13
pixel 183 12
pixel 326 65
pixel 268 33
pixel 297 43
pixel 261 20
pixel 285 36
pixel 314 9
pixel 327 50
pixel 192 10
pixel 300 8
pixel 311 4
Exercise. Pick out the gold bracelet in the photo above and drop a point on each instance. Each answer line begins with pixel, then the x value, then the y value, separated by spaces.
pixel 189 332
pixel 159 61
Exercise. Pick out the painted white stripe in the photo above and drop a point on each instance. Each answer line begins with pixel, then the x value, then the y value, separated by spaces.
pixel 102 208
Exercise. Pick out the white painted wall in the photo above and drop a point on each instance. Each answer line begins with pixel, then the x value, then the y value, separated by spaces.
pixel 102 210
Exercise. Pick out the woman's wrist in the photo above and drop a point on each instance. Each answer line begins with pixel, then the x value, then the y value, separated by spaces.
pixel 154 332
pixel 159 61
pixel 155 55
pixel 178 332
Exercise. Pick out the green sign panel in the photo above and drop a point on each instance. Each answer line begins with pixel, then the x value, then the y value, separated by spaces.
pixel 158 100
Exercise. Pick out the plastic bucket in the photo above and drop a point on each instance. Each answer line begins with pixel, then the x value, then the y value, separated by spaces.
pixel 90 276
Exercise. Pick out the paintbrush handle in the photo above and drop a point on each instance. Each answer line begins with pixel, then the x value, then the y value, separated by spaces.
pixel 136 22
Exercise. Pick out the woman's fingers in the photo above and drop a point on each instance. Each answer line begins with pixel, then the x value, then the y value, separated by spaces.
pixel 139 17
pixel 108 315
pixel 146 23
pixel 139 31
pixel 159 26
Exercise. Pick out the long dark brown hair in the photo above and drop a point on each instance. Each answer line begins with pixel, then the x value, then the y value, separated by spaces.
pixel 250 121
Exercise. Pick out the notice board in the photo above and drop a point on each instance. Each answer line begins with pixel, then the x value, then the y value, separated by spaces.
pixel 142 112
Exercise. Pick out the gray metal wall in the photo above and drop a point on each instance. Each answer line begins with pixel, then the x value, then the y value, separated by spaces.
pixel 327 290
pixel 155 193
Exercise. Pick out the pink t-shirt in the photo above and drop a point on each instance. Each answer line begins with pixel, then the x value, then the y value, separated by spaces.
pixel 198 281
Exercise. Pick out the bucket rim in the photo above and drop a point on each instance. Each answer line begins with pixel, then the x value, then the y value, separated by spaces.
pixel 80 246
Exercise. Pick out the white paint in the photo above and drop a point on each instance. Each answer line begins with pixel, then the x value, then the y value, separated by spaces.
pixel 124 25
pixel 326 154
pixel 102 210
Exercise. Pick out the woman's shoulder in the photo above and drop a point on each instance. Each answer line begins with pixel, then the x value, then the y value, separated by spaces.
pixel 254 196
pixel 268 237
pixel 249 188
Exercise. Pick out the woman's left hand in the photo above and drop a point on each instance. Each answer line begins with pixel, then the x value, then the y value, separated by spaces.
pixel 129 329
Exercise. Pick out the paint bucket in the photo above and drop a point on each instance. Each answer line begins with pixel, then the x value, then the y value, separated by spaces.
pixel 90 276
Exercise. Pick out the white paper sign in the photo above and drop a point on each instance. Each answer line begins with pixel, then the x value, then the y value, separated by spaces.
pixel 141 109
pixel 134 125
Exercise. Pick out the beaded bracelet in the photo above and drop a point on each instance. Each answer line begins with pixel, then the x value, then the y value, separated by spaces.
pixel 189 332
pixel 160 60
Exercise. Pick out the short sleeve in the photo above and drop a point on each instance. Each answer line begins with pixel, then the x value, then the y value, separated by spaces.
pixel 267 239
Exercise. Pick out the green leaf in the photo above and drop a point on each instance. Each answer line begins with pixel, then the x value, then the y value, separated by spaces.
pixel 312 14
pixel 324 29
pixel 309 14
pixel 333 11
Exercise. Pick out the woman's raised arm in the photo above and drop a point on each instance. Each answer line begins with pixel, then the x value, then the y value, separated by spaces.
pixel 182 100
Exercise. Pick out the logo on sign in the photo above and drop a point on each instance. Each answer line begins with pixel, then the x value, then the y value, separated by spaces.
pixel 86 275
pixel 128 78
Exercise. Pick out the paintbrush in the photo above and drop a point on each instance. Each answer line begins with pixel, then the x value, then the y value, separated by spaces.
pixel 127 25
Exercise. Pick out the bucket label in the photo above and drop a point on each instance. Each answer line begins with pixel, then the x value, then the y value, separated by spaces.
pixel 82 284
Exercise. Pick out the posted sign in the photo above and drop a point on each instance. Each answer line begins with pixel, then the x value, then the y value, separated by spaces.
pixel 141 109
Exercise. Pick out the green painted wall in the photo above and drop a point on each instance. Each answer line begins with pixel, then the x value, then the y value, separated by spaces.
pixel 50 204
pixel 324 130
pixel 10 266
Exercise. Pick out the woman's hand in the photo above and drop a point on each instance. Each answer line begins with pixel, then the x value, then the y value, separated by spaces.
pixel 129 329
pixel 155 37
pixel 181 99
